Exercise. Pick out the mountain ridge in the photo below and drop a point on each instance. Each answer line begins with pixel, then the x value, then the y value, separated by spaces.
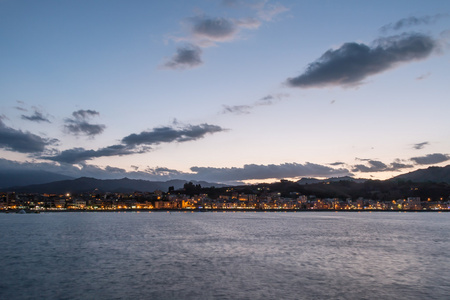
pixel 90 184
pixel 430 174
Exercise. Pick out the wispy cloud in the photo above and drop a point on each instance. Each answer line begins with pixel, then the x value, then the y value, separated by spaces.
pixel 268 11
pixel 37 116
pixel 246 109
pixel 378 166
pixel 236 109
pixel 24 142
pixel 351 63
pixel 424 76
pixel 412 21
pixel 79 124
pixel 206 31
pixel 419 146
pixel 20 108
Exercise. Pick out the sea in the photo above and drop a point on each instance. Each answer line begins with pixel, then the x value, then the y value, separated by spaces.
pixel 225 255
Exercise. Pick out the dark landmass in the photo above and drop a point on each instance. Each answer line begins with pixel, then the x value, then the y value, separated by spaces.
pixel 305 180
pixel 433 182
pixel 431 174
pixel 87 184
pixel 9 178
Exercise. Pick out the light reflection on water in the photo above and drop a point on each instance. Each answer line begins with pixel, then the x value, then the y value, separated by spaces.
pixel 303 255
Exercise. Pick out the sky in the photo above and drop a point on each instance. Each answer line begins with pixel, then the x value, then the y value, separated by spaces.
pixel 228 91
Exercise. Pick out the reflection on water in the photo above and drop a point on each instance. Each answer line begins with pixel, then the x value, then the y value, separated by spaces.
pixel 303 255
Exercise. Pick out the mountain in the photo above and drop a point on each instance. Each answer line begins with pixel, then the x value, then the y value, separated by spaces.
pixel 86 184
pixel 10 177
pixel 431 174
pixel 332 179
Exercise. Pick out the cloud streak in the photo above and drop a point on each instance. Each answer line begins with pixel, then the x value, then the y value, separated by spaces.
pixel 36 117
pixel 236 109
pixel 78 155
pixel 169 134
pixel 231 175
pixel 378 166
pixel 419 146
pixel 246 109
pixel 412 21
pixel 137 143
pixel 351 63
pixel 260 172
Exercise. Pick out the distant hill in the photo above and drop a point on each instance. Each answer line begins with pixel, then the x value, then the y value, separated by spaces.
pixel 86 184
pixel 27 177
pixel 431 174
pixel 332 179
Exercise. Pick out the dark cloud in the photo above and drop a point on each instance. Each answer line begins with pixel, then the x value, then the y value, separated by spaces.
pixel 84 128
pixel 78 155
pixel 84 114
pixel 412 21
pixel 420 145
pixel 353 62
pixel 169 134
pixel 19 141
pixel 338 163
pixel 81 170
pixel 214 28
pixel 429 159
pixel 79 124
pixel 36 117
pixel 230 175
pixel 252 171
pixel 136 143
pixel 188 56
pixel 398 166
pixel 378 166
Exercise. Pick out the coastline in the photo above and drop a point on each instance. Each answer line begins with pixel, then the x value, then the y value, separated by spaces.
pixel 30 211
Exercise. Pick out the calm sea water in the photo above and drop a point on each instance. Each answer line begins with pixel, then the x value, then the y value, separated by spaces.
pixel 303 255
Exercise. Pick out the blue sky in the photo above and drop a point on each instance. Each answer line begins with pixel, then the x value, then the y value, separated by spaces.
pixel 224 91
